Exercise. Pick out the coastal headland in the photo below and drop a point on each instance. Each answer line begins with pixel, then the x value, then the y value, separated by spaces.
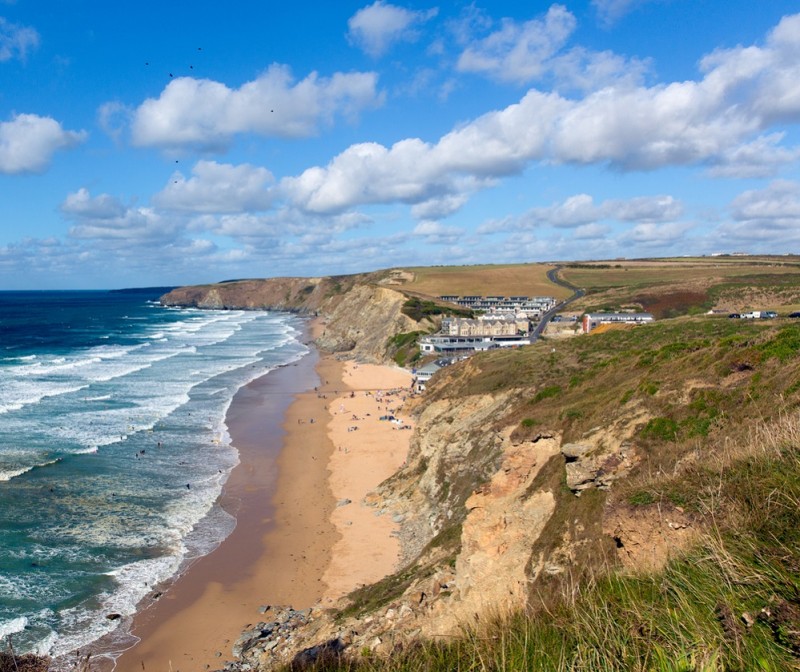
pixel 553 506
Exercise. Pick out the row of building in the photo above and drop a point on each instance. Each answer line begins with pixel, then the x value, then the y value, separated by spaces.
pixel 533 307
pixel 459 334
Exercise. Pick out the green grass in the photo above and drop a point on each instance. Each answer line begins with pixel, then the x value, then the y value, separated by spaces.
pixel 547 393
pixel 418 309
pixel 403 347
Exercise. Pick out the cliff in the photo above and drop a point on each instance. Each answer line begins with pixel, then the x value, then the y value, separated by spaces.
pixel 537 475
pixel 337 300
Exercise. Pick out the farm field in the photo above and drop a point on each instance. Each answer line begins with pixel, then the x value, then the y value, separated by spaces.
pixel 671 287
pixel 486 280
pixel 644 273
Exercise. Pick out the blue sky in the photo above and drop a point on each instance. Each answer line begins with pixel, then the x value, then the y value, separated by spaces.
pixel 156 143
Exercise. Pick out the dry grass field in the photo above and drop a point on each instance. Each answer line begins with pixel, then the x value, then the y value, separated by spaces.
pixel 487 280
pixel 670 287
pixel 646 273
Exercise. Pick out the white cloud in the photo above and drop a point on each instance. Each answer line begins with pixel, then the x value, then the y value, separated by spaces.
pixel 762 157
pixel 581 213
pixel 765 219
pixel 371 173
pixel 217 187
pixel 611 11
pixel 584 70
pixel 375 28
pixel 114 117
pixel 778 203
pixel 28 142
pixel 16 40
pixel 626 127
pixel 105 218
pixel 655 235
pixel 436 233
pixel 719 121
pixel 80 204
pixel 205 114
pixel 592 231
pixel 519 52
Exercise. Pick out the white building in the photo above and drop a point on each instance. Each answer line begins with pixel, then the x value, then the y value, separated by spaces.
pixel 592 320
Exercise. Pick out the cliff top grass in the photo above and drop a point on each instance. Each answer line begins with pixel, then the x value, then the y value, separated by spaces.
pixel 693 371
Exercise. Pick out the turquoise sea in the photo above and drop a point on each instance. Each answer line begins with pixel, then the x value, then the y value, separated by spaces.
pixel 114 450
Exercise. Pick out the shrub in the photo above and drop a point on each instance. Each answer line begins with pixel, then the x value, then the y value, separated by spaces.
pixel 663 429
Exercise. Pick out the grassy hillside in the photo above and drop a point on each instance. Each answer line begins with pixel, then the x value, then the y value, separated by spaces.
pixel 672 287
pixel 712 405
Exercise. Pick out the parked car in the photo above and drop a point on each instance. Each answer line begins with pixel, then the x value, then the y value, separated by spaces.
pixel 734 316
pixel 768 314
pixel 795 314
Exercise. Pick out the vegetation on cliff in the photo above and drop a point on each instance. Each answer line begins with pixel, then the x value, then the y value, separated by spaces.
pixel 710 460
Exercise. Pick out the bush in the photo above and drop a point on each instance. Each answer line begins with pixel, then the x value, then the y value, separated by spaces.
pixel 663 429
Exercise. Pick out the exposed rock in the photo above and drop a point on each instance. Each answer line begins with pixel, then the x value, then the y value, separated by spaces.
pixel 573 451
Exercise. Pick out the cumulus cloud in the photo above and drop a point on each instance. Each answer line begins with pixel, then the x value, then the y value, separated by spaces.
pixel 206 115
pixel 376 28
pixel 105 218
pixel 28 142
pixel 763 157
pixel 16 41
pixel 436 233
pixel 371 173
pixel 776 205
pixel 653 235
pixel 767 218
pixel 217 187
pixel 581 69
pixel 742 93
pixel 518 52
pixel 535 50
pixel 580 212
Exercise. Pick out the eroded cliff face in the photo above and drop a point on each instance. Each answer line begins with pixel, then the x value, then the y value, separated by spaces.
pixel 362 321
pixel 486 519
pixel 359 314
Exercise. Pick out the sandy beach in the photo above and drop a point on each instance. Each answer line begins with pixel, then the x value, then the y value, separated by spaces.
pixel 292 544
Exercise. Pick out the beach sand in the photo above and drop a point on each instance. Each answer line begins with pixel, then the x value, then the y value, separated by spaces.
pixel 292 545
pixel 367 450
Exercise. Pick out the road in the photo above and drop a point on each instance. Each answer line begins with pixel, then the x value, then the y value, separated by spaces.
pixel 552 276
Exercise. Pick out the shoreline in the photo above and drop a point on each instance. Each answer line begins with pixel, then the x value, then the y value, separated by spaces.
pixel 295 543
pixel 283 465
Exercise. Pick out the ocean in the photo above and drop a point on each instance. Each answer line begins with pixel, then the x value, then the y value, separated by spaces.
pixel 114 451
